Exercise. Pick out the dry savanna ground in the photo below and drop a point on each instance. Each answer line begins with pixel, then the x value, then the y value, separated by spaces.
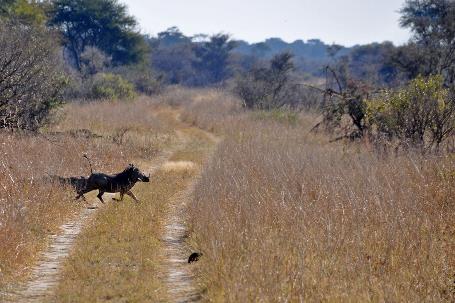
pixel 280 214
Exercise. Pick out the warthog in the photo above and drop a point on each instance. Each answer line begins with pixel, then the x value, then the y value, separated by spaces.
pixel 119 183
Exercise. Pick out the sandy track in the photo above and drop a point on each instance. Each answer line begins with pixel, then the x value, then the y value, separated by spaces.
pixel 45 275
pixel 179 277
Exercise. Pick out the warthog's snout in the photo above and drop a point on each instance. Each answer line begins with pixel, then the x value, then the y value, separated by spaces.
pixel 144 178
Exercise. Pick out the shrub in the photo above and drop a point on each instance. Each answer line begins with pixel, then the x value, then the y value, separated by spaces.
pixel 142 77
pixel 345 110
pixel 111 86
pixel 422 114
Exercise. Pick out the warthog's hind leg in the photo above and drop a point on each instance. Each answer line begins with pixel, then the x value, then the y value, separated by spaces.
pixel 130 193
pixel 121 197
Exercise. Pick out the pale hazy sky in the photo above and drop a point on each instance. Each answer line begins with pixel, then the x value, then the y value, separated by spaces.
pixel 346 22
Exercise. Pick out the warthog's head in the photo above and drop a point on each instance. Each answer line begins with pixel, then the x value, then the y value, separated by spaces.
pixel 136 174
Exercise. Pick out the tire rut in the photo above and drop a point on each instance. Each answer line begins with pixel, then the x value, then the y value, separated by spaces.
pixel 180 277
pixel 178 274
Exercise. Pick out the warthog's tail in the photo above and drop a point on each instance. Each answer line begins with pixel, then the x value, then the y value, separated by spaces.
pixel 89 163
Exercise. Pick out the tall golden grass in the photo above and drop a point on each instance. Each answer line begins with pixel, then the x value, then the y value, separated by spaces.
pixel 113 134
pixel 279 213
pixel 282 215
pixel 122 246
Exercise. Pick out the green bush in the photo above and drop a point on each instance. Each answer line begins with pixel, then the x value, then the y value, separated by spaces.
pixel 142 77
pixel 111 86
pixel 422 114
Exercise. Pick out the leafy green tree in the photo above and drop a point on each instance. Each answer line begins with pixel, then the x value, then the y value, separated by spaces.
pixel 212 58
pixel 172 56
pixel 172 36
pixel 143 78
pixel 104 24
pixel 432 51
pixel 372 63
pixel 260 49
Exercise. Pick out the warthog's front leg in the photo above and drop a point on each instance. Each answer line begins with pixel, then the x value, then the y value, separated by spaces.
pixel 130 193
pixel 100 196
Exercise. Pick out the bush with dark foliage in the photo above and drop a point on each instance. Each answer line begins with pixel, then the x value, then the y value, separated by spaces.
pixel 30 81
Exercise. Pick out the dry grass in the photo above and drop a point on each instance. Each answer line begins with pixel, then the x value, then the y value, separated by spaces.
pixel 142 127
pixel 31 209
pixel 212 110
pixel 118 257
pixel 280 214
pixel 283 216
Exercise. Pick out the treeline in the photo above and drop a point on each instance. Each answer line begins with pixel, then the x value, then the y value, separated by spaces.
pixel 176 55
pixel 91 49
pixel 192 61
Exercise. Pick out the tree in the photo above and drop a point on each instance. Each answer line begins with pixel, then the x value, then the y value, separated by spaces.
pixel 175 62
pixel 172 56
pixel 212 58
pixel 332 50
pixel 260 49
pixel 172 36
pixel 30 84
pixel 269 87
pixel 372 63
pixel 104 24
pixel 433 25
